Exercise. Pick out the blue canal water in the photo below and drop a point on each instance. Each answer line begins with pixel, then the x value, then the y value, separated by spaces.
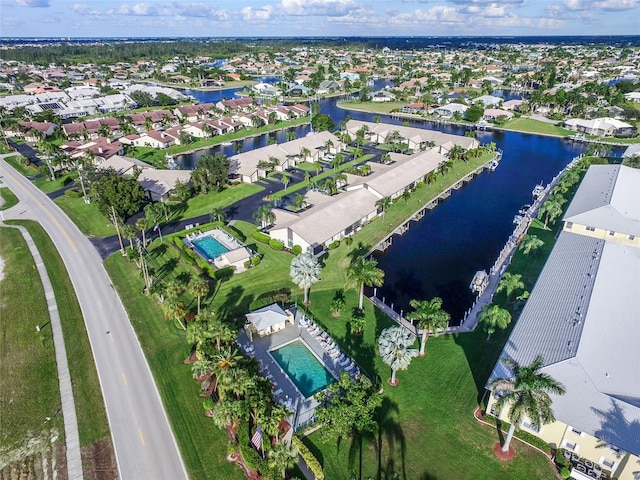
pixel 439 255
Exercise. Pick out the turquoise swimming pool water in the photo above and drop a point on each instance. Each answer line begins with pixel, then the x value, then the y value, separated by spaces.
pixel 209 247
pixel 308 374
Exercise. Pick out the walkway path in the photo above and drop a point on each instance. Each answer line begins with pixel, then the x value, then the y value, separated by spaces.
pixel 72 438
pixel 144 444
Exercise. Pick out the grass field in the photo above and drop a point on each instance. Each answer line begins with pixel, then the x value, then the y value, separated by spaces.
pixel 92 419
pixel 204 203
pixel 87 217
pixel 27 171
pixel 535 126
pixel 29 392
pixel 47 185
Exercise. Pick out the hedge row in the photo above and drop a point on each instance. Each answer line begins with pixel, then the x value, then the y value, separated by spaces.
pixel 261 237
pixel 309 458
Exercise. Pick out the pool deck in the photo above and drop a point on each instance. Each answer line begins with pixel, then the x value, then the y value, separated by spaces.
pixel 285 391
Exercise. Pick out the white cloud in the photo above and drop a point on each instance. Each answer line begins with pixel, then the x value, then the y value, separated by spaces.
pixel 33 3
pixel 608 5
pixel 317 7
pixel 257 14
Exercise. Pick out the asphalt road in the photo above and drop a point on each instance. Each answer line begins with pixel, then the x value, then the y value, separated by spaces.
pixel 144 444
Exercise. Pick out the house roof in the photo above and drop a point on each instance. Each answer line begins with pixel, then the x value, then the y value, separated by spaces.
pixel 162 182
pixel 122 164
pixel 609 198
pixel 583 318
pixel 266 317
pixel 319 224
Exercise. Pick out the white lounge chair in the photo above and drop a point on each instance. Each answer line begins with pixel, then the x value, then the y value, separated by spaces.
pixel 277 392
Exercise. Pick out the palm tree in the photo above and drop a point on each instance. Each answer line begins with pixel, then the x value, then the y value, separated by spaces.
pixel 382 204
pixel 175 310
pixel 142 224
pixel 286 179
pixel 280 458
pixel 305 271
pixel 264 215
pixel 527 394
pixel 530 243
pixel 363 272
pixel 129 232
pixel 198 287
pixel 493 317
pixel 217 215
pixel 299 202
pixel 304 153
pixel 430 317
pixel 394 343
pixel 552 208
pixel 510 283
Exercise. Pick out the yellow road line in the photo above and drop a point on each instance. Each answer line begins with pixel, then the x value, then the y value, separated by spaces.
pixel 124 377
pixel 141 436
pixel 111 336
pixel 9 171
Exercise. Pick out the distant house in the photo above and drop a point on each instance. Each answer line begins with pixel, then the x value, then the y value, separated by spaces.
pixel 154 139
pixel 488 100
pixel 328 86
pixel 299 91
pixel 34 131
pixel 450 109
pixel 414 108
pixel 632 97
pixel 265 89
pixel 494 113
pixel 604 126
pixel 382 96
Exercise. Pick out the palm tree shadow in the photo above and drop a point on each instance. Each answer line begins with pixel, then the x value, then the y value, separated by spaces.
pixel 391 432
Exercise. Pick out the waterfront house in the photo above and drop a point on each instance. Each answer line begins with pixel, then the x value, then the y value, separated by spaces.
pixel 604 126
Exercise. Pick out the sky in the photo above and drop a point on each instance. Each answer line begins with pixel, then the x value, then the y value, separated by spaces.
pixel 292 18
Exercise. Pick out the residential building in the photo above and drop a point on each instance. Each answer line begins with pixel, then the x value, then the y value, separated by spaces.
pixel 583 319
pixel 604 126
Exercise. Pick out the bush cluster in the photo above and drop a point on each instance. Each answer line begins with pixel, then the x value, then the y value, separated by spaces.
pixel 309 458
pixel 261 237
pixel 282 296
pixel 334 245
pixel 276 244
pixel 296 250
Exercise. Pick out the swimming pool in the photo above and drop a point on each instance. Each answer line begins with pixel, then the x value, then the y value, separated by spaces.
pixel 209 247
pixel 304 369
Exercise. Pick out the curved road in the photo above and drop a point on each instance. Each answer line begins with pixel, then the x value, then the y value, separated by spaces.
pixel 144 444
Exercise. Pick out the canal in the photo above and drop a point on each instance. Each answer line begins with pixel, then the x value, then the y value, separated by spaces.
pixel 439 255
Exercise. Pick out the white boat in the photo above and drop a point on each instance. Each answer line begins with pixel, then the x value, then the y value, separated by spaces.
pixel 494 164
pixel 537 191
pixel 226 144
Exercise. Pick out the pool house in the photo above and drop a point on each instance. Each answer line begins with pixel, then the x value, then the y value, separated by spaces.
pixel 296 355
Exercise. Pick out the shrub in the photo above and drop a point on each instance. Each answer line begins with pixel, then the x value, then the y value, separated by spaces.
pixel 276 244
pixel 564 473
pixel 261 237
pixel 334 245
pixel 247 264
pixel 308 457
pixel 255 261
pixel 73 193
pixel 178 242
pixel 282 296
pixel 191 253
pixel 296 250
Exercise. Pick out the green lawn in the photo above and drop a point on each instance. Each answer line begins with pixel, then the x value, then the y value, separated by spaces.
pixel 29 392
pixel 9 198
pixel 372 107
pixel 535 126
pixel 4 148
pixel 92 419
pixel 204 203
pixel 15 162
pixel 47 185
pixel 87 217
